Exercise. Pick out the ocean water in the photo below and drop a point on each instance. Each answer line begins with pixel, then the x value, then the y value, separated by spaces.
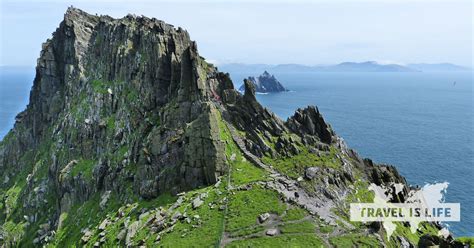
pixel 420 122
pixel 15 86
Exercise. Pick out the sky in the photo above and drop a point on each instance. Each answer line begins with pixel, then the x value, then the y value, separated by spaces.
pixel 272 31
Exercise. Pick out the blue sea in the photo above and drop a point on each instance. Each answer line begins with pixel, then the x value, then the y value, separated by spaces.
pixel 420 122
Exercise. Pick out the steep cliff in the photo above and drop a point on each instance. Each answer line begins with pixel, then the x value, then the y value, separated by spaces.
pixel 131 138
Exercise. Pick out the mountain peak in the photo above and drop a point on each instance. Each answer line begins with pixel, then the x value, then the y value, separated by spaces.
pixel 130 138
pixel 74 14
pixel 73 11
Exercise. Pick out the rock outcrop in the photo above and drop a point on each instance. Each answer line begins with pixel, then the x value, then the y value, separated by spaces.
pixel 124 115
pixel 308 123
pixel 265 83
pixel 117 104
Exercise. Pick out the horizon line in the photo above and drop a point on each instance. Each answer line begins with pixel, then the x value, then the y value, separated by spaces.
pixel 217 63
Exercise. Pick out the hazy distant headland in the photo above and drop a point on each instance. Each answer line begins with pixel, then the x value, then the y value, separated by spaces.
pixel 368 66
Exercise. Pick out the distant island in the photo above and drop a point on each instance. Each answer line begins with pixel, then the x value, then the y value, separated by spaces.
pixel 368 66
pixel 438 67
pixel 102 157
pixel 265 83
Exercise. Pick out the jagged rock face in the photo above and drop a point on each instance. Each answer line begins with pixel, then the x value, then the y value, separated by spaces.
pixel 249 94
pixel 127 109
pixel 248 115
pixel 129 97
pixel 265 83
pixel 310 122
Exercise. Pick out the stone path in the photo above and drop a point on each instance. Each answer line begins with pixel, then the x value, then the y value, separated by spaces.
pixel 289 188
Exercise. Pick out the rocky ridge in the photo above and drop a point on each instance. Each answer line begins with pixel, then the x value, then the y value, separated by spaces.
pixel 131 138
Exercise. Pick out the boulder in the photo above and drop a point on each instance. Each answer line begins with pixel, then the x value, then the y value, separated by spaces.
pixel 104 199
pixel 86 237
pixel 271 232
pixel 197 202
pixel 263 217
pixel 104 224
pixel 121 235
pixel 131 232
pixel 311 172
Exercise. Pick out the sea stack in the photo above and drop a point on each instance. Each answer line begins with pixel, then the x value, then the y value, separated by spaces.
pixel 265 83
pixel 132 139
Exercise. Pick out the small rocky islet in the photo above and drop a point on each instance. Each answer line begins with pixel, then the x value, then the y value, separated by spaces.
pixel 132 139
pixel 265 83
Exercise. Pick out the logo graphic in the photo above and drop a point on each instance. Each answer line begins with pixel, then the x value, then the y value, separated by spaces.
pixel 419 205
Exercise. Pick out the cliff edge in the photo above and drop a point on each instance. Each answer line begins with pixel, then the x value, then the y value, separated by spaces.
pixel 130 138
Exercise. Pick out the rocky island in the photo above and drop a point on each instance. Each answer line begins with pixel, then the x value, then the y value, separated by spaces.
pixel 265 83
pixel 131 138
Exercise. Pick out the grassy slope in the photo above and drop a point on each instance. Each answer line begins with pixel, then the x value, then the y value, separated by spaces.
pixel 238 221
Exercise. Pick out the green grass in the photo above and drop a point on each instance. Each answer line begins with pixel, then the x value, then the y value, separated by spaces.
pixel 41 169
pixel 300 227
pixel 326 229
pixel 13 232
pixel 111 123
pixel 133 212
pixel 33 164
pixel 466 240
pixel 78 217
pixel 99 40
pixel 90 215
pixel 205 235
pixel 405 231
pixel 242 171
pixel 246 206
pixel 118 155
pixel 294 241
pixel 295 214
pixel 11 198
pixel 354 240
pixel 247 231
pixel 132 96
pixel 12 192
pixel 163 200
pixel 295 166
pixel 83 167
pixel 100 86
pixel 79 108
pixel 361 193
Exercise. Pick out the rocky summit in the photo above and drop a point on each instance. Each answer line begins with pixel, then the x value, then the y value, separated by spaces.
pixel 131 138
pixel 265 83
